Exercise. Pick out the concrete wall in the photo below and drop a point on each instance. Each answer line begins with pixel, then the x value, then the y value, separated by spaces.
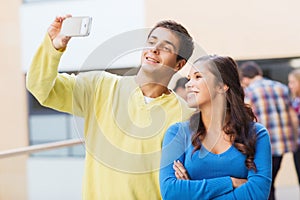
pixel 243 29
pixel 13 104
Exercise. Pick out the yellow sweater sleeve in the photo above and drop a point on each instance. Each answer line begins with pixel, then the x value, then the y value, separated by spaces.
pixel 50 88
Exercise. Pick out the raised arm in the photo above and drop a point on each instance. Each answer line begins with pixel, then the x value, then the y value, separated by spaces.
pixel 174 146
pixel 49 87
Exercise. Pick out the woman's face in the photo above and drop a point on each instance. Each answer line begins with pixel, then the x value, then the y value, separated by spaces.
pixel 294 85
pixel 201 86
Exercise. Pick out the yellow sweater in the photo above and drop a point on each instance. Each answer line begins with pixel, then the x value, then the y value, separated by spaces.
pixel 123 134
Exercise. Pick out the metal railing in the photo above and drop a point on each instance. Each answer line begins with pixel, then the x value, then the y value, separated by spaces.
pixel 40 147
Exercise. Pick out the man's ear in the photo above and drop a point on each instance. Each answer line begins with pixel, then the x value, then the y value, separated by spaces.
pixel 180 64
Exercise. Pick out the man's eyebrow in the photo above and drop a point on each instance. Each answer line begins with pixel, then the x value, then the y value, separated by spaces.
pixel 154 37
pixel 166 41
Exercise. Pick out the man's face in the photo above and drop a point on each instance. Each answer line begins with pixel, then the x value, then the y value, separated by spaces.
pixel 245 82
pixel 161 52
pixel 293 84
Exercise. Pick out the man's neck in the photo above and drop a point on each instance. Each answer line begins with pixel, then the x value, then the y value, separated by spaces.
pixel 151 87
pixel 154 90
pixel 256 78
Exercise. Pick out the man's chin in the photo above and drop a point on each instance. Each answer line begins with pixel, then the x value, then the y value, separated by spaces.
pixel 148 67
pixel 154 65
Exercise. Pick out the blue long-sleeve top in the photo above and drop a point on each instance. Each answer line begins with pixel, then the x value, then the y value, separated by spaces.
pixel 210 173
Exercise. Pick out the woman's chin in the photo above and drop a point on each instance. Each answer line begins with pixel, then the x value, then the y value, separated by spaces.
pixel 192 104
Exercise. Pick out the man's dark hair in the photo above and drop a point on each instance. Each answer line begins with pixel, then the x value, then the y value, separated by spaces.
pixel 186 41
pixel 250 69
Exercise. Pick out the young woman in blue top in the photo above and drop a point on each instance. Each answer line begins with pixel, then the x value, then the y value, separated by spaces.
pixel 221 152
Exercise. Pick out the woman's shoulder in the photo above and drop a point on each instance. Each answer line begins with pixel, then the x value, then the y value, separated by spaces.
pixel 178 132
pixel 180 126
pixel 260 129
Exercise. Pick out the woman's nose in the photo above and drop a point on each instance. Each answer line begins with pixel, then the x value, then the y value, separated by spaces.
pixel 188 84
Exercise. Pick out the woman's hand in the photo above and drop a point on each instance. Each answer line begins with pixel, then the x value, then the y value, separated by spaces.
pixel 180 171
pixel 236 182
pixel 58 41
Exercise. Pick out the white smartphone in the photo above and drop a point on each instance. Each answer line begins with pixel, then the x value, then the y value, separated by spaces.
pixel 76 26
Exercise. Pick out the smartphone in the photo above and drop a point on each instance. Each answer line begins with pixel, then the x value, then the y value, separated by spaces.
pixel 76 26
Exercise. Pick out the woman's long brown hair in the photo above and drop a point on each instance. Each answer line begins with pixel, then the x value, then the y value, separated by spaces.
pixel 238 124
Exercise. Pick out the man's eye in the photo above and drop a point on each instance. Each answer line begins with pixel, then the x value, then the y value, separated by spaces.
pixel 167 49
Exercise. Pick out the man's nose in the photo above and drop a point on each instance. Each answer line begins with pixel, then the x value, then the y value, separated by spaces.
pixel 155 48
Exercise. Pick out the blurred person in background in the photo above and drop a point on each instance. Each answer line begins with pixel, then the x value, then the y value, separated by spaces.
pixel 271 104
pixel 294 85
pixel 180 87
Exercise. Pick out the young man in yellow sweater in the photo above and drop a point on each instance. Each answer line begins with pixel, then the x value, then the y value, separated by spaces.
pixel 125 117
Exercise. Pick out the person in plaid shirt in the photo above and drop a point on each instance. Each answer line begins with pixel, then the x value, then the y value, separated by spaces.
pixel 294 85
pixel 271 104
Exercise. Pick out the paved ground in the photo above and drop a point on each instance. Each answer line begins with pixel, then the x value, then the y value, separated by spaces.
pixel 288 193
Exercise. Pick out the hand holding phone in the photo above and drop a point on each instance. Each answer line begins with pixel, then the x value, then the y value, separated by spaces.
pixel 76 26
pixel 59 41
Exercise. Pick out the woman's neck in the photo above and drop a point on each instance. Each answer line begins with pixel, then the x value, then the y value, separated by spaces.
pixel 213 116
